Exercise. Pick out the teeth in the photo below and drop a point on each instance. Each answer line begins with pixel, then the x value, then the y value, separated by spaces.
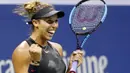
pixel 52 32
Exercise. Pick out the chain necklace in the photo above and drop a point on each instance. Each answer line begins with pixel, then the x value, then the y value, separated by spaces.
pixel 45 49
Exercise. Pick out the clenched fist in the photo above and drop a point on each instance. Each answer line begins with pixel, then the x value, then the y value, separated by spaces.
pixel 35 52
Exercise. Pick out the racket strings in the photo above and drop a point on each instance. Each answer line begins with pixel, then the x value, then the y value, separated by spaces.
pixel 86 17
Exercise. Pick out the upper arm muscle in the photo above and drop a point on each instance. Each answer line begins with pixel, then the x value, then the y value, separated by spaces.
pixel 20 59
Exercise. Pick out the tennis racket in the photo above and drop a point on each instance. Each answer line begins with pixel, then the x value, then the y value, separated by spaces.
pixel 84 19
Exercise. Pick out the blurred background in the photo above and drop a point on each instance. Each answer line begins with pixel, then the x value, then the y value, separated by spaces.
pixel 106 51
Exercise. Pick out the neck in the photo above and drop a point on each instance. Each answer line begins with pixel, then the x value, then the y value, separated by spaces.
pixel 38 39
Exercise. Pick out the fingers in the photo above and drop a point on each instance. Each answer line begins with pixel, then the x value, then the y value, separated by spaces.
pixel 78 52
pixel 77 56
pixel 34 48
pixel 35 52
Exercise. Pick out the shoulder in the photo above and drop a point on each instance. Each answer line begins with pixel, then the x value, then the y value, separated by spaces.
pixel 21 52
pixel 21 58
pixel 57 46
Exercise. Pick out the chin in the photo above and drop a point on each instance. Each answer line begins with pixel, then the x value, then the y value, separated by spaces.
pixel 49 38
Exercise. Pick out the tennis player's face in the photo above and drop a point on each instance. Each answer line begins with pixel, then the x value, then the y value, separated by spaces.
pixel 47 27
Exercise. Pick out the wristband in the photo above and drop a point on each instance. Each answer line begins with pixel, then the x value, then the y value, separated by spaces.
pixel 33 69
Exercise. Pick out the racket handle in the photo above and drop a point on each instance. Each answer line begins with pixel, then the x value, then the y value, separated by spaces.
pixel 74 67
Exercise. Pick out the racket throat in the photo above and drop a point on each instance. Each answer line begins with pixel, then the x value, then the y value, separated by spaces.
pixel 78 45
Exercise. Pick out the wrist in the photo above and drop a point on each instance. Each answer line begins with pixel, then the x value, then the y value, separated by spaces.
pixel 68 70
pixel 36 63
pixel 33 69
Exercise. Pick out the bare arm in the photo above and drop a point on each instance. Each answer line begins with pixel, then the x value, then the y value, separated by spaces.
pixel 21 58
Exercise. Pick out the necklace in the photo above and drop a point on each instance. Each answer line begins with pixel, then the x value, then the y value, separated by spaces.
pixel 45 49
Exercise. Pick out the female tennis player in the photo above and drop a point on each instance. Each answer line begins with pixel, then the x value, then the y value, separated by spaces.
pixel 37 54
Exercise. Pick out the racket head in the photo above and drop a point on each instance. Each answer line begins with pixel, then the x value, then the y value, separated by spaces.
pixel 87 15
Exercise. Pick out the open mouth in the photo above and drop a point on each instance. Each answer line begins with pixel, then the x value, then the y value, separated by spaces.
pixel 51 33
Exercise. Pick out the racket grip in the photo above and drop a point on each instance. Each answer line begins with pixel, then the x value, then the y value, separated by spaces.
pixel 74 67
